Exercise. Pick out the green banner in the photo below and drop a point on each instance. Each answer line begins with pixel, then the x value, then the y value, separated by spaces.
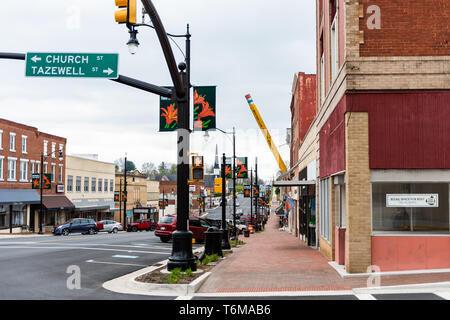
pixel 204 108
pixel 36 178
pixel 242 168
pixel 247 190
pixel 168 115
pixel 256 191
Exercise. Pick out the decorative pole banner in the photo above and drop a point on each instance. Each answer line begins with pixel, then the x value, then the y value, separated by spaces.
pixel 256 191
pixel 247 190
pixel 168 115
pixel 228 171
pixel 204 108
pixel 241 168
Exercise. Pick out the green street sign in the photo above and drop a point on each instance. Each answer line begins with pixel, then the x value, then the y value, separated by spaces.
pixel 72 65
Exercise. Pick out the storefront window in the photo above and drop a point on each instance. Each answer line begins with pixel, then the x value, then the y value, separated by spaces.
pixel 3 213
pixel 19 212
pixel 410 207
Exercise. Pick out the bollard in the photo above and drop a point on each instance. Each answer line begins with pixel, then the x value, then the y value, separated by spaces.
pixel 213 243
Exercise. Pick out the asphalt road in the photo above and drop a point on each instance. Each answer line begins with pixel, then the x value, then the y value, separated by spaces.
pixel 46 267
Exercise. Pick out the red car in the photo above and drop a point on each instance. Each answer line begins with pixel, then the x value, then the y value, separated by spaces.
pixel 141 225
pixel 168 224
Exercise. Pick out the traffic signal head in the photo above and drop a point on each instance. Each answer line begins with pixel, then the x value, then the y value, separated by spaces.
pixel 197 168
pixel 128 14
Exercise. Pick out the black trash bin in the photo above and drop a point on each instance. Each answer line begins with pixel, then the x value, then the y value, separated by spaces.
pixel 213 243
pixel 246 233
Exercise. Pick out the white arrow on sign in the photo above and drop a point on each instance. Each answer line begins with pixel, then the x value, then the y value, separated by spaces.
pixel 108 71
pixel 36 58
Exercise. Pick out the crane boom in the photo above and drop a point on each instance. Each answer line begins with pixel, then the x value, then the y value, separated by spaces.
pixel 266 133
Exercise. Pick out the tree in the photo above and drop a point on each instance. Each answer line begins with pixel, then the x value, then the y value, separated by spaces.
pixel 162 169
pixel 119 165
pixel 149 169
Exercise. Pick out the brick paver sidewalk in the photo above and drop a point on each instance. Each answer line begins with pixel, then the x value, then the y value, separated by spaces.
pixel 275 260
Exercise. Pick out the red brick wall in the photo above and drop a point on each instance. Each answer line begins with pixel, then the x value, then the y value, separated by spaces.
pixel 303 111
pixel 35 146
pixel 408 28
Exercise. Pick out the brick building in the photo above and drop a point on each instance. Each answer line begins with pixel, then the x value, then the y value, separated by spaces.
pixel 382 133
pixel 21 147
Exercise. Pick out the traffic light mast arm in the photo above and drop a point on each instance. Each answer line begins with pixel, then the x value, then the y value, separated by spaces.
pixel 266 133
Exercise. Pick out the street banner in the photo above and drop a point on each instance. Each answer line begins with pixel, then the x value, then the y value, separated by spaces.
pixel 256 191
pixel 168 115
pixel 124 195
pixel 242 168
pixel 247 190
pixel 35 181
pixel 204 108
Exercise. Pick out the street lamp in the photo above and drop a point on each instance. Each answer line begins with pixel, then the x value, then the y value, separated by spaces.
pixel 206 136
pixel 133 43
pixel 41 184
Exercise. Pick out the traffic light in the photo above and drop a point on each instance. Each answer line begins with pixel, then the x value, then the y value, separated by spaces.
pixel 197 168
pixel 127 15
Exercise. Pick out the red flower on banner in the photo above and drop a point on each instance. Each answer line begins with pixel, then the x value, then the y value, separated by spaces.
pixel 242 168
pixel 170 114
pixel 206 111
pixel 227 171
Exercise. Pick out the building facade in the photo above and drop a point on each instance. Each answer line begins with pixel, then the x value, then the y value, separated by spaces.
pixel 382 134
pixel 136 195
pixel 21 149
pixel 90 187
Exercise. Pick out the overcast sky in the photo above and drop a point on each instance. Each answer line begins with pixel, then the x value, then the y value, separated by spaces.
pixel 250 46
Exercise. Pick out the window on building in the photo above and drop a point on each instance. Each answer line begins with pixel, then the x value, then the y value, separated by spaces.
pixel 340 206
pixel 12 169
pixel 69 183
pixel 322 79
pixel 100 181
pixel 61 150
pixel 410 208
pixel 94 184
pixel 23 170
pixel 78 184
pixel 1 167
pixel 18 214
pixel 24 144
pixel 38 167
pixel 53 172
pixel 111 185
pixel 324 186
pixel 45 167
pixel 45 148
pixel 53 150
pixel 86 184
pixel 12 142
pixel 60 174
pixel 334 49
pixel 1 138
pixel 3 212
pixel 105 185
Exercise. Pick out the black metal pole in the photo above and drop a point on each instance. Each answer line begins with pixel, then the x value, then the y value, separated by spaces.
pixel 40 187
pixel 257 199
pixel 251 197
pixel 120 200
pixel 182 255
pixel 225 233
pixel 163 202
pixel 234 185
pixel 126 195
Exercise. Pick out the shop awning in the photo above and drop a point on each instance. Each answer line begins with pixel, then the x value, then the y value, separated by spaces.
pixel 51 202
pixel 294 183
pixel 13 196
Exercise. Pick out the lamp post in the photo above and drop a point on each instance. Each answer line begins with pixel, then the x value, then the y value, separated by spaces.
pixel 251 196
pixel 234 176
pixel 225 241
pixel 41 184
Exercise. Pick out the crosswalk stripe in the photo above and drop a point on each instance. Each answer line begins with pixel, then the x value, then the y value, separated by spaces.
pixel 445 294
pixel 365 296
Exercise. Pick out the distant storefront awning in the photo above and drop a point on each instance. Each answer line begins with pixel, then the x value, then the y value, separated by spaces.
pixel 51 202
pixel 294 183
pixel 13 196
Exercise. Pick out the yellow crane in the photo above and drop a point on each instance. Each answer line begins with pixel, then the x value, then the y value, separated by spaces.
pixel 266 133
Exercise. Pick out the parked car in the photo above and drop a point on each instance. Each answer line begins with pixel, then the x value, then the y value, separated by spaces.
pixel 241 227
pixel 141 225
pixel 78 225
pixel 168 224
pixel 110 226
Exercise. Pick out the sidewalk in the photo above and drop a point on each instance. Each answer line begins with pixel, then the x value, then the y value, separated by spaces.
pixel 275 260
